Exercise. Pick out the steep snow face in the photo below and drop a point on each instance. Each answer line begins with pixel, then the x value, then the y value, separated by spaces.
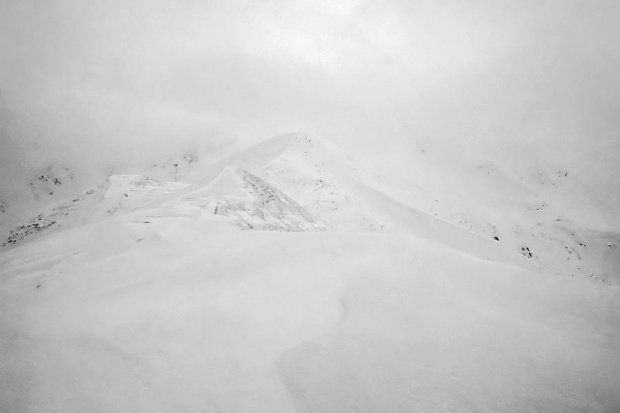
pixel 317 174
pixel 249 202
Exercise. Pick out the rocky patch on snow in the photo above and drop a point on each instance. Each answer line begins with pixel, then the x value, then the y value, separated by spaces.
pixel 50 178
pixel 174 168
pixel 34 226
pixel 53 218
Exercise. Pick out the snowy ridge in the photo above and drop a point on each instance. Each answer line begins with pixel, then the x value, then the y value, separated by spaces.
pixel 119 194
pixel 316 173
pixel 251 203
pixel 301 182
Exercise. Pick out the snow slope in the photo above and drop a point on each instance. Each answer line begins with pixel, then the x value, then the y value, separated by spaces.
pixel 563 215
pixel 325 181
pixel 185 314
pixel 283 279
pixel 119 194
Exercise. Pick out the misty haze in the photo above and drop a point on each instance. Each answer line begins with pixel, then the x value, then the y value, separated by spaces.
pixel 309 206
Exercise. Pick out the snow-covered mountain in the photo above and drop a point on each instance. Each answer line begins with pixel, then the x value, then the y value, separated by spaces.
pixel 286 278
pixel 331 189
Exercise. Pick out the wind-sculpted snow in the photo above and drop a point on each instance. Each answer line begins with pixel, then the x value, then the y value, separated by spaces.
pixel 251 203
pixel 469 338
pixel 183 315
pixel 316 175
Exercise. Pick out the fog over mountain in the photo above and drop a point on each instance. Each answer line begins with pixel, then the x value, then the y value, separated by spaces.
pixel 309 206
pixel 122 79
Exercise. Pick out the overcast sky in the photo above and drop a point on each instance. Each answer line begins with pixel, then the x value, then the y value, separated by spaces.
pixel 116 79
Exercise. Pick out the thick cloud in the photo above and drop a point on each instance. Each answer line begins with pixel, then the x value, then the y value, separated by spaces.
pixel 106 81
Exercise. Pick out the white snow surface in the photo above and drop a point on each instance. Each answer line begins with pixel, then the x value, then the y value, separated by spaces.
pixel 286 279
